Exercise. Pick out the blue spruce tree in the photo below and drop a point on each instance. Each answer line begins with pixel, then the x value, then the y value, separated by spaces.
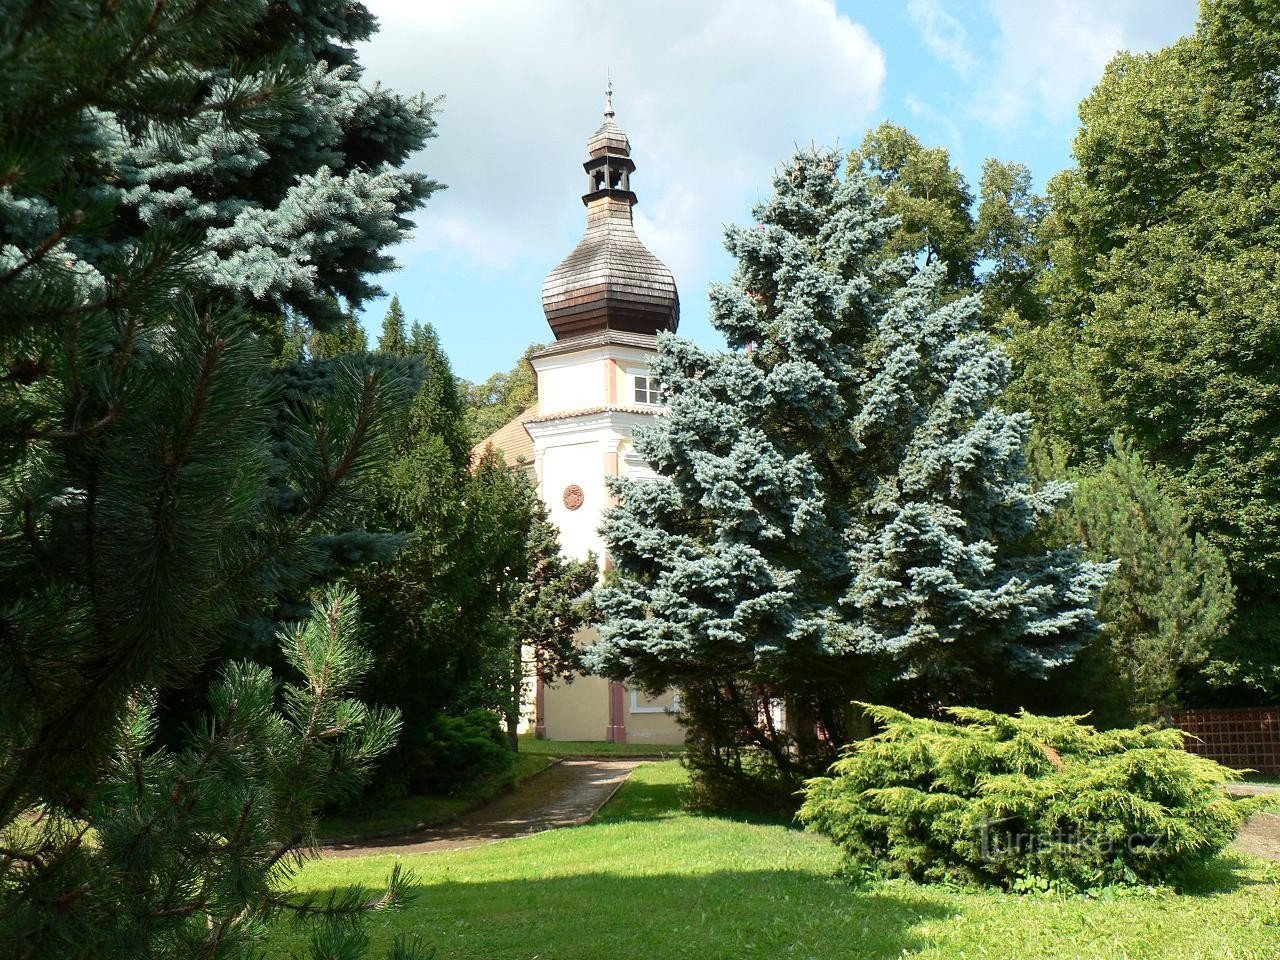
pixel 842 508
pixel 297 208
pixel 181 178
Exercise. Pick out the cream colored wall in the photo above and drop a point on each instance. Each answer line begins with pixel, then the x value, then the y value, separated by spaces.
pixel 591 378
pixel 578 710
pixel 646 727
pixel 624 377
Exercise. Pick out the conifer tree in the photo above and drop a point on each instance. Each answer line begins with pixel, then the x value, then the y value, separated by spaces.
pixel 1165 611
pixel 392 340
pixel 169 169
pixel 839 497
pixel 550 602
pixel 438 409
pixel 265 758
pixel 348 337
pixel 479 583
pixel 443 612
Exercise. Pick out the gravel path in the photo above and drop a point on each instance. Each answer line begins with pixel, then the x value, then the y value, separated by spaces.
pixel 1252 789
pixel 565 795
pixel 1260 836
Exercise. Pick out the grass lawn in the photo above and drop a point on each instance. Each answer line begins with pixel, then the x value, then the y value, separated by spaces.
pixel 1262 779
pixel 408 813
pixel 597 748
pixel 648 880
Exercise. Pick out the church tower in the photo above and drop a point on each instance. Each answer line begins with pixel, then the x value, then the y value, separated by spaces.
pixel 610 282
pixel 605 303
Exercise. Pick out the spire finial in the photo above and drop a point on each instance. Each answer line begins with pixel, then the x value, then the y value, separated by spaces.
pixel 608 95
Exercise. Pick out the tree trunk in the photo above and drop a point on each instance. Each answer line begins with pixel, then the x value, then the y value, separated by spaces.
pixel 515 691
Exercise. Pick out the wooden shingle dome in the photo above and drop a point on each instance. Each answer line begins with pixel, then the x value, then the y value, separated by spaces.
pixel 610 281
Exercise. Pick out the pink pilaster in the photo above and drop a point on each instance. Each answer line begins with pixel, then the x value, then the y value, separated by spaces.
pixel 540 710
pixel 617 731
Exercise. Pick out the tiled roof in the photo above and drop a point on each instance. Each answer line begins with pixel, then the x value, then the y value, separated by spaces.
pixel 609 139
pixel 511 440
pixel 610 281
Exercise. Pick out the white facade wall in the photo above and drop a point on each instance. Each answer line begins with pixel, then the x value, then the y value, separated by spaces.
pixel 587 411
pixel 593 388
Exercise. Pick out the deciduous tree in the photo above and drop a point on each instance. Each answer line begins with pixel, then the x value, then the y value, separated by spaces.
pixel 501 398
pixel 1165 242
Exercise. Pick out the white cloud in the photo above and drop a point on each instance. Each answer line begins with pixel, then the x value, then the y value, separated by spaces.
pixel 1048 55
pixel 942 33
pixel 940 120
pixel 712 94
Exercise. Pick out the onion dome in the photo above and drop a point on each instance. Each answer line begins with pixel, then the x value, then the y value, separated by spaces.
pixel 610 281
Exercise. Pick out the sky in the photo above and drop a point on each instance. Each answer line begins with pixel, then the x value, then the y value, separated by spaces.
pixel 714 95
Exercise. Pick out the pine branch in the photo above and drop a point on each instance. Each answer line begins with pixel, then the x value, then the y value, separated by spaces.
pixel 42 249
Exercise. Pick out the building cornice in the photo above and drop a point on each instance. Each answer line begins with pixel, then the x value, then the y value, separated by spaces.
pixel 593 341
pixel 602 411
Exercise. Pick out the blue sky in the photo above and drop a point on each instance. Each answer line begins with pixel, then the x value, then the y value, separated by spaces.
pixel 713 94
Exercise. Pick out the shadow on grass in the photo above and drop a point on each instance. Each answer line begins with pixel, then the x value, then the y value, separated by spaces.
pixel 674 916
pixel 1225 873
pixel 647 802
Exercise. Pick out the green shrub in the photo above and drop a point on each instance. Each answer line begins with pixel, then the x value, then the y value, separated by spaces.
pixel 455 751
pixel 1023 801
pixel 741 780
pixel 442 755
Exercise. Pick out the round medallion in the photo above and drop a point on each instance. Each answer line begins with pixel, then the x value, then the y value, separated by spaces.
pixel 573 496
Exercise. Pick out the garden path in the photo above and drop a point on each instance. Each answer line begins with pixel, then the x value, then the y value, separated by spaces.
pixel 565 795
pixel 1260 836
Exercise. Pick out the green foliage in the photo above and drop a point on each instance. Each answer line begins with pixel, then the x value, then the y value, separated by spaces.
pixel 1018 801
pixel 451 752
pixel 727 774
pixel 169 172
pixel 930 198
pixel 658 880
pixel 409 813
pixel 438 409
pixel 1165 244
pixel 501 398
pixel 478 581
pixel 437 610
pixel 550 603
pixel 394 340
pixel 554 600
pixel 534 747
pixel 347 337
pixel 842 503
pixel 1007 231
pixel 995 253
pixel 1166 608
pixel 125 869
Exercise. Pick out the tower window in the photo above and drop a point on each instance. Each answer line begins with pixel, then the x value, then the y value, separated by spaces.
pixel 647 391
